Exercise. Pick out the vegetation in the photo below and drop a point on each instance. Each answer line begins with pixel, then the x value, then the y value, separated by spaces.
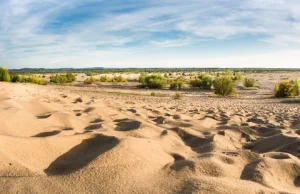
pixel 176 84
pixel 28 79
pixel 90 73
pixel 89 80
pixel 291 101
pixel 145 70
pixel 249 82
pixel 203 82
pixel 4 75
pixel 142 78
pixel 287 88
pixel 153 81
pixel 178 96
pixel 238 76
pixel 153 94
pixel 224 86
pixel 67 78
pixel 105 78
pixel 228 73
pixel 119 78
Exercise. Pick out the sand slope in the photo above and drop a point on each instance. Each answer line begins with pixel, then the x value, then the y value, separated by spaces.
pixel 73 140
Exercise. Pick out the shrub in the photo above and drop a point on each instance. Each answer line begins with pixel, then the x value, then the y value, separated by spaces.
pixel 238 76
pixel 178 96
pixel 119 78
pixel 154 81
pixel 67 78
pixel 224 85
pixel 283 89
pixel 142 78
pixel 37 80
pixel 4 75
pixel 286 88
pixel 176 84
pixel 153 94
pixel 296 87
pixel 105 78
pixel 203 82
pixel 90 74
pixel 15 78
pixel 228 73
pixel 28 79
pixel 249 82
pixel 89 80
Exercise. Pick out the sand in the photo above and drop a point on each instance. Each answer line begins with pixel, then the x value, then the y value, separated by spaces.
pixel 68 139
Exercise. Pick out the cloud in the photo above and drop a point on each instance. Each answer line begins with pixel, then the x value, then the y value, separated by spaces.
pixel 98 32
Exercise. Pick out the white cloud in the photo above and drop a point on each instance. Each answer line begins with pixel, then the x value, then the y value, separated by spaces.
pixel 25 38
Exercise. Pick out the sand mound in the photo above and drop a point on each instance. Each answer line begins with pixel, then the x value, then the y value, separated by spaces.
pixel 84 140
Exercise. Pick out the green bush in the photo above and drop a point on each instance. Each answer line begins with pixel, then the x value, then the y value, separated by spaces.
pixel 153 94
pixel 15 78
pixel 224 86
pixel 238 76
pixel 154 81
pixel 142 78
pixel 203 82
pixel 249 82
pixel 177 96
pixel 296 87
pixel 67 78
pixel 4 75
pixel 28 79
pixel 105 78
pixel 89 80
pixel 176 84
pixel 228 73
pixel 90 74
pixel 286 88
pixel 119 78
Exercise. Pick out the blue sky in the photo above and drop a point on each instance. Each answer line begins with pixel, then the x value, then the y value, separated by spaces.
pixel 144 33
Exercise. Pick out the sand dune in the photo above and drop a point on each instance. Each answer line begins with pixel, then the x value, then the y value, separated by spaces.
pixel 71 140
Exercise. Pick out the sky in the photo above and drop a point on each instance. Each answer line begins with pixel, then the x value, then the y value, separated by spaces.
pixel 149 33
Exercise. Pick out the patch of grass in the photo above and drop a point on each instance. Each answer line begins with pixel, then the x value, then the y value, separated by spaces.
pixel 177 96
pixel 250 88
pixel 153 94
pixel 291 101
pixel 67 78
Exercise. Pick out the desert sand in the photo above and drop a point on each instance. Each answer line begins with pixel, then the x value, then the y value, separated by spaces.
pixel 96 139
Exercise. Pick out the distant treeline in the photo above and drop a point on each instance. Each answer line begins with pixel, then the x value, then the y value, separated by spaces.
pixel 102 70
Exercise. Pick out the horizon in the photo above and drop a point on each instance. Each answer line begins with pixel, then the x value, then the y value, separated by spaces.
pixel 146 34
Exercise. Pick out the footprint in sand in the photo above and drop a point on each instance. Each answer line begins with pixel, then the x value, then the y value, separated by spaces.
pixel 99 120
pixel 47 134
pixel 159 120
pixel 43 116
pixel 93 127
pixel 131 110
pixel 89 109
pixel 127 125
pixel 78 100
